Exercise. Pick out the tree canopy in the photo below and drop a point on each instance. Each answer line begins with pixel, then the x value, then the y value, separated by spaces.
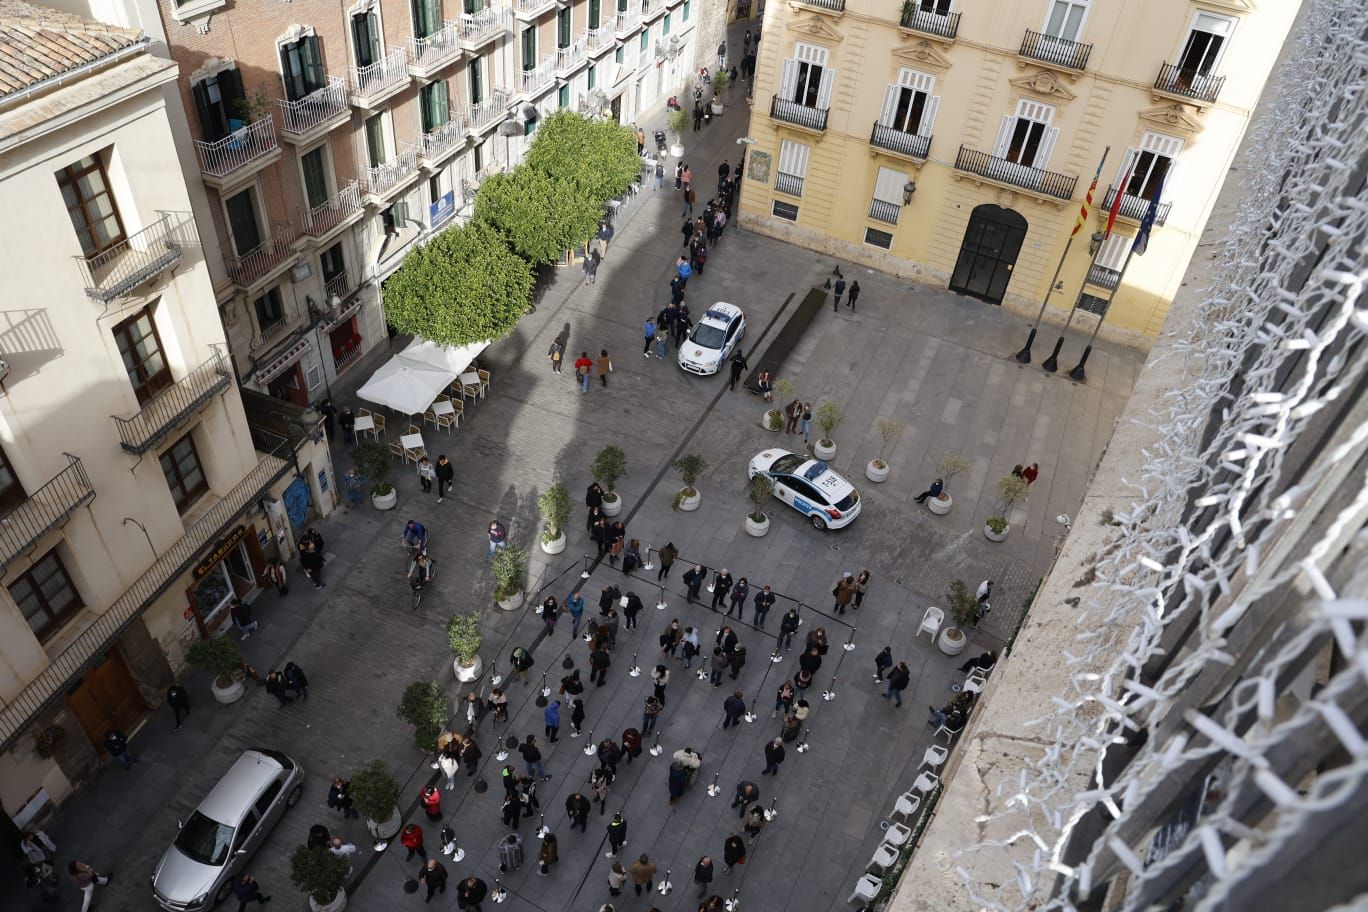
pixel 463 286
pixel 540 216
pixel 598 155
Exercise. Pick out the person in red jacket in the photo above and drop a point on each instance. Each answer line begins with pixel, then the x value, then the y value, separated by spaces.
pixel 432 803
pixel 584 366
pixel 412 839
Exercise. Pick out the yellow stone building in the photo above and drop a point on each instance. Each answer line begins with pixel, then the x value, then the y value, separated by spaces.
pixel 953 142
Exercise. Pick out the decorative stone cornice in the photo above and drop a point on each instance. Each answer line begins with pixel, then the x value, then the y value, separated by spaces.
pixel 815 26
pixel 1173 118
pixel 921 54
pixel 1044 84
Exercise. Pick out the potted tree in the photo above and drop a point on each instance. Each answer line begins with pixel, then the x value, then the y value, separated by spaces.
pixel 720 81
pixel 1012 489
pixel 510 569
pixel 555 506
pixel 758 491
pixel 609 465
pixel 784 392
pixel 463 633
pixel 964 612
pixel 689 468
pixel 951 464
pixel 829 417
pixel 375 794
pixel 322 876
pixel 373 461
pixel 424 706
pixel 889 429
pixel 679 124
pixel 219 656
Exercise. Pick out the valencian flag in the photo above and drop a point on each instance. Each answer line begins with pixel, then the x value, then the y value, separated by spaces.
pixel 1142 239
pixel 1116 203
pixel 1087 200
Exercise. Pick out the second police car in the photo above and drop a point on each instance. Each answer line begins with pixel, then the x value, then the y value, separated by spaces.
pixel 809 486
pixel 713 339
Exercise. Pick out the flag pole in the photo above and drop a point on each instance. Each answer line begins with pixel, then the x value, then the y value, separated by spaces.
pixel 1078 373
pixel 1024 356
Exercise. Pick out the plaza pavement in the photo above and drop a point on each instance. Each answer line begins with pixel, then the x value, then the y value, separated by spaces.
pixel 933 359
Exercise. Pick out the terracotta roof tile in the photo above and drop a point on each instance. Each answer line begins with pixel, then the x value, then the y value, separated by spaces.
pixel 37 43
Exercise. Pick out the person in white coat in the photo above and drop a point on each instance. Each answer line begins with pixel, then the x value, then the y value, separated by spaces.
pixel 450 764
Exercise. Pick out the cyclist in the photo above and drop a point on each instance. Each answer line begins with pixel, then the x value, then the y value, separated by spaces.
pixel 415 536
pixel 421 573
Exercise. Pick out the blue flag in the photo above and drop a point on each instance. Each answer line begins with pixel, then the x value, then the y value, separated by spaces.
pixel 1142 239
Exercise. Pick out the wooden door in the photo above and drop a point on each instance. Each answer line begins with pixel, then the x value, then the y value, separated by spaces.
pixel 107 697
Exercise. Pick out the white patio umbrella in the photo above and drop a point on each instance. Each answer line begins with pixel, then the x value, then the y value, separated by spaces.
pixel 452 357
pixel 406 386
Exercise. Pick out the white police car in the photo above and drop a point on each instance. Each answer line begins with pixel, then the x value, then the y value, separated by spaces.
pixel 809 486
pixel 713 339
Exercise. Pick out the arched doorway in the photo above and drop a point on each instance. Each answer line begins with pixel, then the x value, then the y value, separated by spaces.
pixel 988 253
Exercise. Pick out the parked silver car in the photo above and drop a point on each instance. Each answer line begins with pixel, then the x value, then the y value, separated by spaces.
pixel 199 869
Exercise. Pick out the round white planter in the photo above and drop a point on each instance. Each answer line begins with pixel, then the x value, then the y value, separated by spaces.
pixel 513 602
pixel 756 529
pixel 940 505
pixel 689 504
pixel 876 474
pixel 466 674
pixel 385 501
pixel 949 645
pixel 676 150
pixel 555 546
pixel 824 450
pixel 339 902
pixel 387 828
pixel 994 536
pixel 717 108
pixel 765 422
pixel 230 694
pixel 612 507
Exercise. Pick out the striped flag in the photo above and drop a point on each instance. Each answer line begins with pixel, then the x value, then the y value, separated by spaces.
pixel 1087 199
pixel 1116 203
pixel 1142 239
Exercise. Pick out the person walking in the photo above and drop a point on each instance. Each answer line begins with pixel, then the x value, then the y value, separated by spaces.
pixel 591 265
pixel 411 838
pixel 687 229
pixel 296 681
pixel 617 834
pixel 694 580
pixel 431 800
pixel 734 707
pixel 983 593
pixel 617 878
pixel 446 472
pixel 276 576
pixel 347 421
pixel 764 601
pixel 643 874
pixel 723 172
pixel 840 290
pixel 807 420
pixel 340 800
pixel 577 808
pixel 736 659
pixel 844 593
pixel 738 367
pixel 690 646
pixel 854 295
pixel 793 412
pixel 575 605
pixel 532 756
pixel 882 662
pixel 703 874
pixel 659 175
pixel 470 756
pixel 667 557
pixel 426 474
pixel 1031 473
pixel 311 558
pixel 733 853
pixel 86 880
pixel 116 745
pixel 449 762
pixel 721 586
pixel 716 665
pixel 247 890
pixel 556 352
pixel 433 876
pixel 549 853
pixel 551 717
pixel 783 699
pixel 631 744
pixel 632 609
pixel 605 367
pixel 861 587
pixel 179 700
pixel 648 329
pixel 755 820
pixel 470 893
pixel 774 755
pixel 650 714
pixel 935 490
pixel 584 367
pixel 659 678
pixel 671 638
pixel 38 848
pixel 522 663
pixel 688 198
pixel 898 679
pixel 241 613
pixel 550 610
pixel 599 662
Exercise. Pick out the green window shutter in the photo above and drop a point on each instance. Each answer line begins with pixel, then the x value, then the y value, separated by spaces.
pixel 595 13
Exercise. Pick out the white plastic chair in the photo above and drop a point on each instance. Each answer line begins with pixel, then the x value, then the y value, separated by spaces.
pixel 897 835
pixel 884 857
pixel 974 684
pixel 935 755
pixel 926 782
pixel 866 888
pixel 931 622
pixel 946 730
pixel 906 806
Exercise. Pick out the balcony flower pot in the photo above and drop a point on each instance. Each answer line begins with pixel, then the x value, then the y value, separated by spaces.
pixel 322 876
pixel 758 491
pixel 951 641
pixel 889 430
pixel 467 673
pixel 876 471
pixel 756 528
pixel 385 830
pixel 824 450
pixel 717 106
pixel 829 417
pixel 941 503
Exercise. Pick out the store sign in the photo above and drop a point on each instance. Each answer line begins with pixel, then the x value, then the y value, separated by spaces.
pixel 220 551
pixel 442 208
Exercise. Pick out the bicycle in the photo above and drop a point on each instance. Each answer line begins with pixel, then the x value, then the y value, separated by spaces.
pixel 419 577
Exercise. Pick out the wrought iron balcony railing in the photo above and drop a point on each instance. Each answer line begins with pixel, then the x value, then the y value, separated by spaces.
pixel 265 259
pixel 1134 207
pixel 1058 51
pixel 44 510
pixel 316 109
pixel 136 259
pixel 429 54
pixel 444 140
pixel 598 39
pixel 333 211
pixel 487 24
pixel 531 9
pixel 371 83
pixel 625 22
pixel 339 286
pixel 539 77
pixel 238 149
pixel 493 108
pixel 835 6
pixel 788 183
pixel 910 144
pixel 1038 180
pixel 382 179
pixel 567 58
pixel 798 114
pixel 1103 276
pixel 884 211
pixel 942 25
pixel 170 408
pixel 1190 84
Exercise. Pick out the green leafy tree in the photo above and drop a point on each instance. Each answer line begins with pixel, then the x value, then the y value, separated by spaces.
pixel 599 156
pixel 424 706
pixel 539 216
pixel 463 286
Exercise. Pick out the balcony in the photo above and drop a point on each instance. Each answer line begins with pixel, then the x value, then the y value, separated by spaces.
pixel 371 85
pixel 383 180
pixel 569 59
pixel 598 41
pixel 1188 85
pixel 939 25
pixel 270 258
pixel 830 6
pixel 908 145
pixel 535 81
pixel 884 211
pixel 135 260
pixel 66 667
pixel 428 56
pixel 440 144
pixel 170 408
pixel 44 510
pixel 791 112
pixel 488 112
pixel 347 359
pixel 334 213
pixel 651 9
pixel 626 22
pixel 339 286
pixel 308 118
pixel 530 10
pixel 238 155
pixel 1103 276
pixel 478 29
pixel 788 183
pixel 1133 208
pixel 1056 52
pixel 1010 174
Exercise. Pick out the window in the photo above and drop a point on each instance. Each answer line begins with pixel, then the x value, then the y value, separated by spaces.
pixel 474 6
pixel 46 595
pixel 366 38
pixel 591 78
pixel 685 14
pixel 12 492
pixel 218 100
pixel 184 474
pixel 938 7
pixel 1065 19
pixel 89 202
pixel 619 55
pixel 375 140
pixel 242 222
pixel 793 161
pixel 595 13
pixel 1205 43
pixel 785 211
pixel 393 218
pixel 476 70
pixel 477 158
pixel 140 349
pixel 433 100
pixel 909 106
pixel 1026 137
pixel 563 28
pixel 269 309
pixel 1112 254
pixel 806 78
pixel 315 177
pixel 529 48
pixel 563 97
pixel 301 62
pixel 877 238
pixel 1151 165
pixel 643 41
pixel 333 264
pixel 888 195
pixel 263 804
pixel 427 17
pixel 313 376
pixel 665 25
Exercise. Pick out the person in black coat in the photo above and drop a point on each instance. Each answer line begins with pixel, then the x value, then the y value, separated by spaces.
pixel 788 626
pixel 247 890
pixel 737 660
pixel 810 661
pixel 593 498
pixel 275 686
pixel 883 661
pixel 722 584
pixel 577 808
pixel 703 874
pixel 738 367
pixel 631 610
pixel 470 893
pixel 747 793
pixel 774 755
pixel 764 601
pixel 726 638
pixel 311 558
pixel 733 853
pixel 434 877
pixel 598 664
pixel 679 778
pixel 735 707
pixel 296 681
pixel 179 701
pixel 602 535
pixel 694 580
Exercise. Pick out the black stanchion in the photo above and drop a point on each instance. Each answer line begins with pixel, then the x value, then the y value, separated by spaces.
pixel 589 748
pixel 771 813
pixel 636 669
pixel 714 789
pixel 849 645
pixel 803 746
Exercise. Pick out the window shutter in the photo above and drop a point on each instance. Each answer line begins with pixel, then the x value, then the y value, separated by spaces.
pixel 441 106
pixel 1047 144
pixel 915 79
pixel 793 158
pixel 888 186
pixel 1113 252
pixel 929 115
pixel 1004 135
pixel 811 53
pixel 890 105
pixel 210 127
pixel 824 88
pixel 788 81
pixel 312 55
